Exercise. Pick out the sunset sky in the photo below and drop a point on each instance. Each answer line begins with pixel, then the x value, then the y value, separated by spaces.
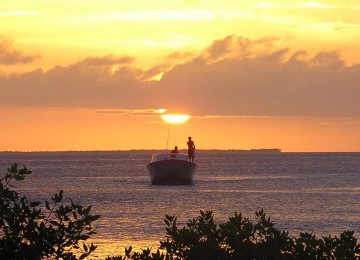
pixel 91 75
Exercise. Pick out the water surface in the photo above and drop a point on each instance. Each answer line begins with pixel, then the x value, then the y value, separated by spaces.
pixel 314 192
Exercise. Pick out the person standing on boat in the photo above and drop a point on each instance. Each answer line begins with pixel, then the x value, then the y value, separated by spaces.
pixel 191 149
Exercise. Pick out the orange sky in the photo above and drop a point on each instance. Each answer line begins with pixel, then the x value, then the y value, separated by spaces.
pixel 90 75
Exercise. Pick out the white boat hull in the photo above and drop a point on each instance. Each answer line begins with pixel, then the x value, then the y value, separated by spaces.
pixel 171 172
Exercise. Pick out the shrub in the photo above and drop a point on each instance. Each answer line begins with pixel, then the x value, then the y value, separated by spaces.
pixel 239 238
pixel 30 232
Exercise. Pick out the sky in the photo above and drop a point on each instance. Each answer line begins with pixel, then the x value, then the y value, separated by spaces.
pixel 92 75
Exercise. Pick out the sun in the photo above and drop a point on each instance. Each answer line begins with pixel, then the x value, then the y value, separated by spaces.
pixel 175 118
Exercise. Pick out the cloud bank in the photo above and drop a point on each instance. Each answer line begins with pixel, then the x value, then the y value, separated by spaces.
pixel 235 76
pixel 9 56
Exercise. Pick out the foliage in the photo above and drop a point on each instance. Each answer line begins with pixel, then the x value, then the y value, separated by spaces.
pixel 55 231
pixel 28 231
pixel 239 238
pixel 145 254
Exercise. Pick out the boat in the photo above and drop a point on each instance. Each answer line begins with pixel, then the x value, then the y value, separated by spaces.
pixel 171 169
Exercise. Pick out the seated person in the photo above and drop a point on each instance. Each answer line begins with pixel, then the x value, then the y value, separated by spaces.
pixel 175 150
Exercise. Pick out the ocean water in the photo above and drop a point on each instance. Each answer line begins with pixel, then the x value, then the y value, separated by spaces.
pixel 312 192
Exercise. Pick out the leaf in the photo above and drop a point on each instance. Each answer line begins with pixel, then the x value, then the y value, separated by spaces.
pixel 92 247
pixel 128 250
pixel 54 223
pixel 34 203
pixel 19 177
pixel 93 218
pixel 61 193
pixel 47 205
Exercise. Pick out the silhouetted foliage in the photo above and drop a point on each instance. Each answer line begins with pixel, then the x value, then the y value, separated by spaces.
pixel 239 238
pixel 28 231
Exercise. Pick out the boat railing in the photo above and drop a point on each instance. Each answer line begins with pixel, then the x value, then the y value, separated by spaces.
pixel 169 156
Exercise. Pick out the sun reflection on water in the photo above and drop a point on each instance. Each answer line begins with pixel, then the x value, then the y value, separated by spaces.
pixel 114 247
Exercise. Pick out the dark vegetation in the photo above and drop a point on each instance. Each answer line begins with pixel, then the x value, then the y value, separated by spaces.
pixel 30 230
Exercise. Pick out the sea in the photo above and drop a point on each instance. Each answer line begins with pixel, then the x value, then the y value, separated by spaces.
pixel 300 192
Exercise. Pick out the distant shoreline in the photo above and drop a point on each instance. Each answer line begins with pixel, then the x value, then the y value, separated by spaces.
pixel 270 150
pixel 249 151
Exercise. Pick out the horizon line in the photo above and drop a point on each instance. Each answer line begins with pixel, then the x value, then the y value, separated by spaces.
pixel 139 149
pixel 273 150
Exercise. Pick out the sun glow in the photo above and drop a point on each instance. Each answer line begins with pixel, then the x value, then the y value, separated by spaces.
pixel 161 110
pixel 175 119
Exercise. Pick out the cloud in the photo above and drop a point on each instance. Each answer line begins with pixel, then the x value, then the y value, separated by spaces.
pixel 335 26
pixel 107 60
pixel 309 4
pixel 153 15
pixel 259 82
pixel 234 46
pixel 235 76
pixel 20 13
pixel 141 112
pixel 78 85
pixel 9 56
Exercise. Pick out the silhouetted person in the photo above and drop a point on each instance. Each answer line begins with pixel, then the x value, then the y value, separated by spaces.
pixel 175 150
pixel 191 149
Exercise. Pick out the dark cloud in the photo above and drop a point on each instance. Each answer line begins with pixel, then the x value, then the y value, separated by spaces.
pixel 140 112
pixel 240 47
pixel 9 56
pixel 220 47
pixel 77 85
pixel 179 55
pixel 235 76
pixel 257 78
pixel 328 59
pixel 107 60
